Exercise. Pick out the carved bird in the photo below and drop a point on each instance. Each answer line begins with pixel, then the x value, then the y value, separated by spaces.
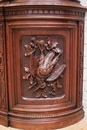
pixel 46 64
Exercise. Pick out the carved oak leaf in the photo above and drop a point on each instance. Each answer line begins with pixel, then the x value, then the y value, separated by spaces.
pixel 56 73
pixel 33 64
pixel 29 50
pixel 56 85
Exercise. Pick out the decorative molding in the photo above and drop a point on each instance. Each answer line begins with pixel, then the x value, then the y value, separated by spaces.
pixel 44 11
pixel 2 69
pixel 53 3
pixel 46 116
pixel 81 55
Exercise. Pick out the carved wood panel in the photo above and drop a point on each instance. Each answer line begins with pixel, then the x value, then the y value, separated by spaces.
pixel 43 66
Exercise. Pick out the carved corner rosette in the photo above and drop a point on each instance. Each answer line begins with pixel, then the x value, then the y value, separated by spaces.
pixel 43 70
pixel 3 98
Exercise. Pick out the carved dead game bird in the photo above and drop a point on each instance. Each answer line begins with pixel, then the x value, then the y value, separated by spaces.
pixel 46 64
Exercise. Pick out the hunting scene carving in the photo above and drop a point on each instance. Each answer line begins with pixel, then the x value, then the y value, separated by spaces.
pixel 43 71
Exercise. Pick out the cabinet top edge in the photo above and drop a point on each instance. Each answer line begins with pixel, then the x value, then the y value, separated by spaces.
pixel 34 3
pixel 45 6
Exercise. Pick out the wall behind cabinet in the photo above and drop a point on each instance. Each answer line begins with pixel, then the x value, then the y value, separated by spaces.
pixel 84 3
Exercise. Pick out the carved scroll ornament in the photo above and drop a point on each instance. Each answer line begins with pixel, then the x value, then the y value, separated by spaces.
pixel 43 71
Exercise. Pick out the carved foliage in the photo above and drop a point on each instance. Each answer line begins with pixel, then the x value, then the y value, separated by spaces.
pixel 81 64
pixel 2 70
pixel 44 72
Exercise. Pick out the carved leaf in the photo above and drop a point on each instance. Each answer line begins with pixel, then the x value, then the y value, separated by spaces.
pixel 26 76
pixel 33 64
pixel 44 95
pixel 26 69
pixel 39 94
pixel 28 50
pixel 58 71
pixel 59 85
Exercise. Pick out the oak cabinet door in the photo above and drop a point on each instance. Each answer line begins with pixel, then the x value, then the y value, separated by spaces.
pixel 41 65
pixel 42 71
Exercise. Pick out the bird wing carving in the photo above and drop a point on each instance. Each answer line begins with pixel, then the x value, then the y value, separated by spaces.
pixel 54 75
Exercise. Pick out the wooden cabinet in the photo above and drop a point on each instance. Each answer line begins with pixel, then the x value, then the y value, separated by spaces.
pixel 41 63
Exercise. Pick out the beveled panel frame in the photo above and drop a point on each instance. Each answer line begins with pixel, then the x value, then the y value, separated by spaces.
pixel 64 29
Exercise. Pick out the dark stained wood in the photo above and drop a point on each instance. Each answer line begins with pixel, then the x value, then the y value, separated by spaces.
pixel 41 63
